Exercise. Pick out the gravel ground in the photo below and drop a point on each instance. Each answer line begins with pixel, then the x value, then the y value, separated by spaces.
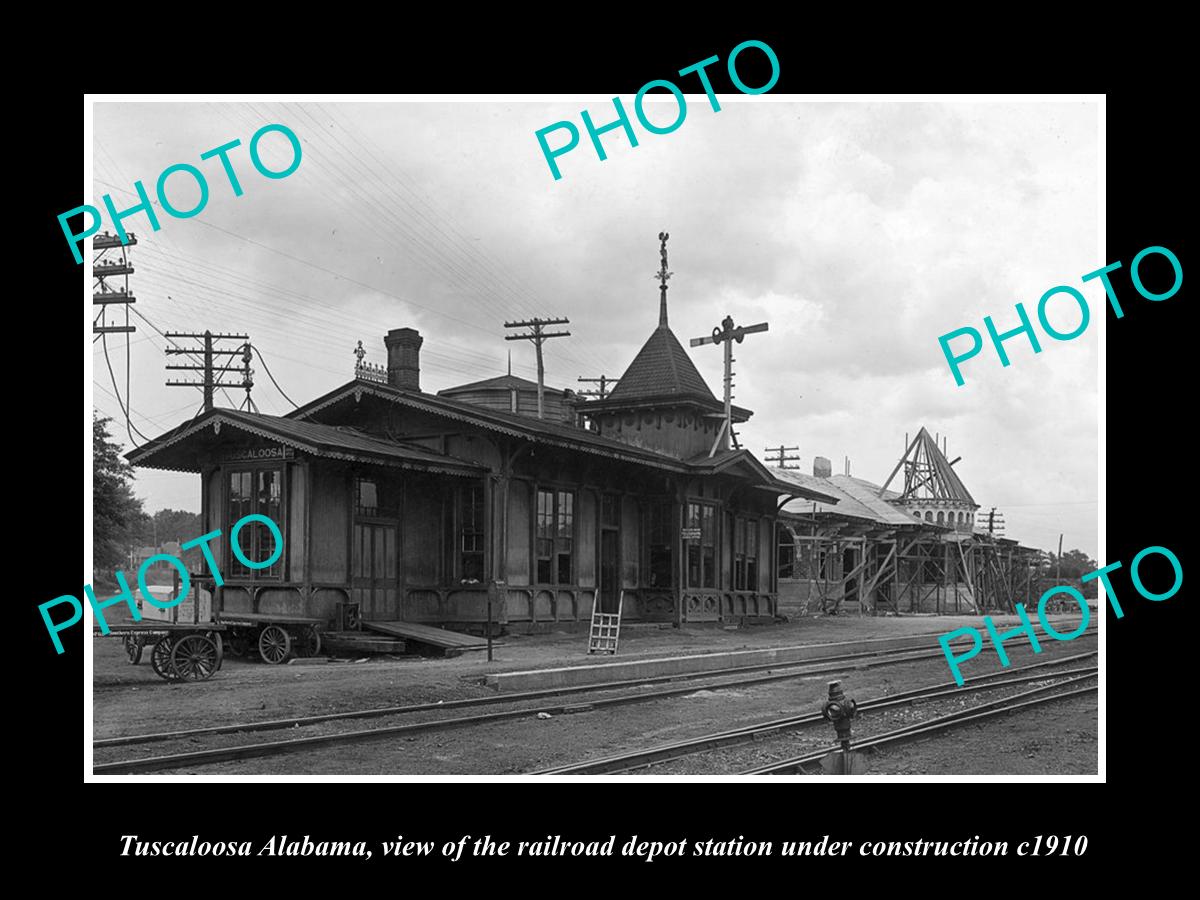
pixel 132 700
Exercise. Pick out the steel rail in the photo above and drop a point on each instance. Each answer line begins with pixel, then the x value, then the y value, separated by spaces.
pixel 933 726
pixel 814 666
pixel 271 748
pixel 639 759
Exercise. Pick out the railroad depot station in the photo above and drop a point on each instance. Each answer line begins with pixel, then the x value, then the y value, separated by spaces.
pixel 402 510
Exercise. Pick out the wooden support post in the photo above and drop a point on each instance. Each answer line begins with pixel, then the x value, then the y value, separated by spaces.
pixel 946 582
pixel 862 571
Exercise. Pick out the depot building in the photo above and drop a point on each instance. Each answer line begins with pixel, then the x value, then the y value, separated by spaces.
pixel 397 504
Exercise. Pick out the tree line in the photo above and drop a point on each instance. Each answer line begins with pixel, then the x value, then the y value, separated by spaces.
pixel 120 523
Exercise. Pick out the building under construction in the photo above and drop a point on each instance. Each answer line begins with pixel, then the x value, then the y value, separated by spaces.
pixel 924 548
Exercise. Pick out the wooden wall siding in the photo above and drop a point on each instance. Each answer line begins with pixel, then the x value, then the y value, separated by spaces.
pixel 215 510
pixel 283 601
pixel 631 547
pixel 331 525
pixel 476 448
pixel 520 504
pixel 324 601
pixel 501 400
pixel 422 529
pixel 701 605
pixel 587 519
pixel 294 542
pixel 650 605
pixel 681 433
pixel 236 599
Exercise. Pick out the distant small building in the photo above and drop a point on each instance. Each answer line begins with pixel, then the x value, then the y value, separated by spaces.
pixel 512 394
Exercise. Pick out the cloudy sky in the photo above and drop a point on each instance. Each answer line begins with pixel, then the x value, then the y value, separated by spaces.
pixel 860 231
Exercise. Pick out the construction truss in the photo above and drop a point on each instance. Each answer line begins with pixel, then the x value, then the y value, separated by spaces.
pixel 909 570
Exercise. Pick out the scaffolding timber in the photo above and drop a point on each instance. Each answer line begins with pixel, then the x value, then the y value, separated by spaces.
pixel 880 552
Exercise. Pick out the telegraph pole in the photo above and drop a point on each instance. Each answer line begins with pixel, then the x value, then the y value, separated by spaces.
pixel 605 389
pixel 248 377
pixel 782 458
pixel 105 294
pixel 210 381
pixel 538 336
pixel 726 334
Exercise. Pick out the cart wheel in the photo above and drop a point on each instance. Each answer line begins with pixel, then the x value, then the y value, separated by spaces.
pixel 274 645
pixel 196 657
pixel 239 642
pixel 133 648
pixel 160 659
pixel 308 643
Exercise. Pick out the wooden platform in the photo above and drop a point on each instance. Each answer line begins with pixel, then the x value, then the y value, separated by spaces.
pixel 355 643
pixel 436 637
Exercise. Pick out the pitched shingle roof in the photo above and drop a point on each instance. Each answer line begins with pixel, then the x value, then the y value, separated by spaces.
pixel 171 450
pixel 662 370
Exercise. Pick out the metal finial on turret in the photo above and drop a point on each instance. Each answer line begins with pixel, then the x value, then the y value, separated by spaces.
pixel 663 275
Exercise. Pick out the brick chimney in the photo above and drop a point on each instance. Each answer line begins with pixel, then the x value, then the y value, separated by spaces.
pixel 822 468
pixel 404 358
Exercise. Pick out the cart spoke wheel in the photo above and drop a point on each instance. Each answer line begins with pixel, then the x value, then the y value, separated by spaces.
pixel 215 637
pixel 196 657
pixel 274 645
pixel 160 659
pixel 308 643
pixel 133 648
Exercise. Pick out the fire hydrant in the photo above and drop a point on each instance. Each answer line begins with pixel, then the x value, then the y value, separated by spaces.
pixel 839 710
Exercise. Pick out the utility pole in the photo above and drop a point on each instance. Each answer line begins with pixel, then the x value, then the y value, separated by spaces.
pixel 605 389
pixel 210 381
pixel 105 294
pixel 1058 562
pixel 538 336
pixel 248 377
pixel 783 458
pixel 726 335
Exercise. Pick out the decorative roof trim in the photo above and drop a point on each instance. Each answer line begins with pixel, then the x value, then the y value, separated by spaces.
pixel 142 454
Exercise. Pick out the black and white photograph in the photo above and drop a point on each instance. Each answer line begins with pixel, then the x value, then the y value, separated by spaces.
pixel 524 438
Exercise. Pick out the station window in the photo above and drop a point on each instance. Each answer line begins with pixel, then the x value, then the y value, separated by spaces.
pixel 752 554
pixel 555 536
pixel 702 552
pixel 610 511
pixel 787 554
pixel 658 532
pixel 375 499
pixel 941 519
pixel 471 533
pixel 255 491
pixel 745 554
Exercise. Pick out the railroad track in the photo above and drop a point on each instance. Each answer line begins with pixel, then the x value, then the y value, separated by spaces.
pixel 1018 702
pixel 775 672
pixel 270 748
pixel 645 758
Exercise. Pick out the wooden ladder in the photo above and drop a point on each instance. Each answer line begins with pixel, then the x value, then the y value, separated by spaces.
pixel 606 628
